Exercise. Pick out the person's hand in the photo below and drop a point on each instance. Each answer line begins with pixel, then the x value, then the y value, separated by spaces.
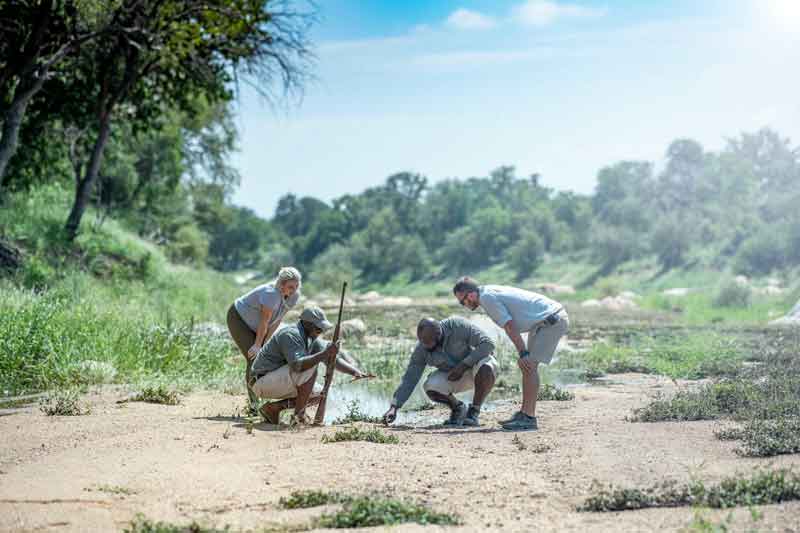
pixel 253 351
pixel 525 364
pixel 362 375
pixel 333 349
pixel 457 371
pixel 390 415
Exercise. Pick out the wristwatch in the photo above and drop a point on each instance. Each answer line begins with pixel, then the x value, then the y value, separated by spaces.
pixel 524 353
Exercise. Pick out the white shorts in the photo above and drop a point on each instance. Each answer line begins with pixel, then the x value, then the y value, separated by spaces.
pixel 282 383
pixel 437 381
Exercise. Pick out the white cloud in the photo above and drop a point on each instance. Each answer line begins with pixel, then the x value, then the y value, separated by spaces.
pixel 544 12
pixel 465 19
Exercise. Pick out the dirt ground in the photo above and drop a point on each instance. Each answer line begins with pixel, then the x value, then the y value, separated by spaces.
pixel 198 461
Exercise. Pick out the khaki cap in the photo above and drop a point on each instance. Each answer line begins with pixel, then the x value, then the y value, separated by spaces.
pixel 316 316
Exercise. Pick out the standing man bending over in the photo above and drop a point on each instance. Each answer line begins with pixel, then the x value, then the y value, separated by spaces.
pixel 285 368
pixel 517 311
pixel 462 353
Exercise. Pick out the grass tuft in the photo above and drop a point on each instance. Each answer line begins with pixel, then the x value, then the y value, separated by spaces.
pixel 354 414
pixel 142 525
pixel 762 488
pixel 549 392
pixel 305 499
pixel 157 394
pixel 377 511
pixel 358 434
pixel 63 403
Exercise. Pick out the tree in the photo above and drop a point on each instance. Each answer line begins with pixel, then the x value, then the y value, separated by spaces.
pixel 35 37
pixel 164 51
pixel 526 254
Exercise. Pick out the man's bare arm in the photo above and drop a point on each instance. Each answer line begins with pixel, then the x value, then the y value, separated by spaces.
pixel 513 334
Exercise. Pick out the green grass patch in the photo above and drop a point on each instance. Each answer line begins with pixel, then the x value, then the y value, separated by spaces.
pixel 709 402
pixel 690 355
pixel 548 392
pixel 305 499
pixel 765 438
pixel 762 488
pixel 371 511
pixel 159 394
pixel 63 403
pixel 354 414
pixel 357 434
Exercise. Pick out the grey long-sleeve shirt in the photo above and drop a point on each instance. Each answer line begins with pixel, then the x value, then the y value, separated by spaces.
pixel 462 342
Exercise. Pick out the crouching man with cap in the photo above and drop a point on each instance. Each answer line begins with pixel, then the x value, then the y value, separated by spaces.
pixel 462 354
pixel 285 369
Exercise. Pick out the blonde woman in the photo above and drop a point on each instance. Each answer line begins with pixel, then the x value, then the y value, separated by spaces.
pixel 254 317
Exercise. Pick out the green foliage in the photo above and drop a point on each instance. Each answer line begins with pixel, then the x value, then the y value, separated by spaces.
pixel 63 403
pixel 733 294
pixel 305 499
pixel 548 392
pixel 188 245
pixel 157 394
pixel 357 434
pixel 354 414
pixel 526 254
pixel 762 488
pixel 671 241
pixel 142 525
pixel 376 511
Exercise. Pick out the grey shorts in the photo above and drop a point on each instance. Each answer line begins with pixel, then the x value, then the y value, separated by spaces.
pixel 543 338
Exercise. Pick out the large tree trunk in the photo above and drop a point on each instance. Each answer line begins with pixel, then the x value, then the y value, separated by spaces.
pixel 84 186
pixel 12 122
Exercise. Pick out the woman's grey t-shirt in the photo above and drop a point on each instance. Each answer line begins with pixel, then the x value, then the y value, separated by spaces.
pixel 249 305
pixel 525 308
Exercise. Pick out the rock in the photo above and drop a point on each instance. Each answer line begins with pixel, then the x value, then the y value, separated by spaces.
pixel 741 280
pixel 773 282
pixel 769 290
pixel 617 303
pixel 397 300
pixel 681 291
pixel 554 288
pixel 370 296
pixel 590 303
pixel 354 329
pixel 629 295
pixel 792 318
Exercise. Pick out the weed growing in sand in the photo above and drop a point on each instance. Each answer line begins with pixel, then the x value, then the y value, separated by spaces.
pixel 516 441
pixel 549 392
pixel 142 525
pixel 372 511
pixel 63 403
pixel 354 414
pixel 305 499
pixel 157 394
pixel 762 488
pixel 358 434
pixel 112 489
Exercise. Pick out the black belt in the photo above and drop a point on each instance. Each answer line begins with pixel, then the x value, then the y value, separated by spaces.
pixel 552 320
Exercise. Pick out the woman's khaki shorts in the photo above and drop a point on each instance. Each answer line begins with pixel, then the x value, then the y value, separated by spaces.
pixel 437 381
pixel 543 338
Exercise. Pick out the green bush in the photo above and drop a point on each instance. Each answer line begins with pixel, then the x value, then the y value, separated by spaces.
pixel 188 245
pixel 761 254
pixel 526 254
pixel 733 294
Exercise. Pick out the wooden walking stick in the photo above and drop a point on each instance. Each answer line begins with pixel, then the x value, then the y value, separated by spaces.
pixel 330 366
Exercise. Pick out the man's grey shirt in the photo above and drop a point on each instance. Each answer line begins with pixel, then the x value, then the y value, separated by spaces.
pixel 525 308
pixel 286 346
pixel 461 342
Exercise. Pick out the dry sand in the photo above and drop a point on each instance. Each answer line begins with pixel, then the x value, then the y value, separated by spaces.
pixel 197 461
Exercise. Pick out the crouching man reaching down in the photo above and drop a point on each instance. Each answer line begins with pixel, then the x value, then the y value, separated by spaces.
pixel 285 369
pixel 462 354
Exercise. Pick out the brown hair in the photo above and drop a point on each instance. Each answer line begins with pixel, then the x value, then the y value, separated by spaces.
pixel 465 284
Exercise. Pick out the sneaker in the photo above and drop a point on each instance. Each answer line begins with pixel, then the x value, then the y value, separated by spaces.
pixel 472 416
pixel 457 415
pixel 523 423
pixel 514 418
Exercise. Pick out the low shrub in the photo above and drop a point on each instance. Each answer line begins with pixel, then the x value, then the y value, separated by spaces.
pixel 63 403
pixel 358 434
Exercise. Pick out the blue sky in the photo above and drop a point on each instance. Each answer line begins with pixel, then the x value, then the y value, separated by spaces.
pixel 562 88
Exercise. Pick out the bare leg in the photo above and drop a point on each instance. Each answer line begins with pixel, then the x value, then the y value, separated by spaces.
pixel 484 381
pixel 449 400
pixel 530 389
pixel 304 394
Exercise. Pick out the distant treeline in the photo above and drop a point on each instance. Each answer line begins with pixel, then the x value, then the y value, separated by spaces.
pixel 734 208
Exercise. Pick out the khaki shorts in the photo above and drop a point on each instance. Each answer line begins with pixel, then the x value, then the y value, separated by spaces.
pixel 437 381
pixel 543 338
pixel 282 383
